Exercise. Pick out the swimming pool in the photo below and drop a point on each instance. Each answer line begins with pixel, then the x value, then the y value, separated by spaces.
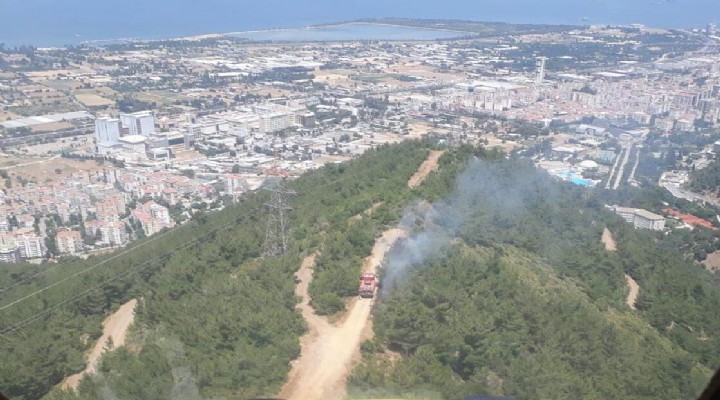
pixel 574 178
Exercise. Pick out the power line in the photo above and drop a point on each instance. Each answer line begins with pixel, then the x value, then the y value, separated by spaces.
pixel 81 271
pixel 142 266
pixel 58 265
pixel 50 311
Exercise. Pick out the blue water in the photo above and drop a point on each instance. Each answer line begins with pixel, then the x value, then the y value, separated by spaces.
pixel 581 182
pixel 573 178
pixel 354 31
pixel 58 22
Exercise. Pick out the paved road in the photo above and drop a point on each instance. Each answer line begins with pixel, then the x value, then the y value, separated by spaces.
pixel 621 170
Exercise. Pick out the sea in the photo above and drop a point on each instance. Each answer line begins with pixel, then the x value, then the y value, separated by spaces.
pixel 47 23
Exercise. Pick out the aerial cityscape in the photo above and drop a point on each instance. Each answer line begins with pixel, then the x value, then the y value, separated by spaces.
pixel 381 208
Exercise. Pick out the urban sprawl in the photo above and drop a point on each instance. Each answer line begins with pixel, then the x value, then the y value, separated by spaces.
pixel 101 146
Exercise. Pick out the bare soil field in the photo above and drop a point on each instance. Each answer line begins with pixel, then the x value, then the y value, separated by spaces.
pixel 608 240
pixel 93 100
pixel 633 293
pixel 712 261
pixel 507 146
pixel 42 170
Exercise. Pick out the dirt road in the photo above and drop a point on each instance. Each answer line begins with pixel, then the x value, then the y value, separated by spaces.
pixel 369 211
pixel 608 240
pixel 634 291
pixel 115 328
pixel 611 245
pixel 327 350
pixel 425 169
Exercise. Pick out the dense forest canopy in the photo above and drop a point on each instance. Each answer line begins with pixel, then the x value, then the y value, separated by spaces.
pixel 503 287
pixel 524 300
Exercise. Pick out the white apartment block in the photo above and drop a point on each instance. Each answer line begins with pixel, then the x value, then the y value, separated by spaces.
pixel 8 249
pixel 276 122
pixel 69 242
pixel 113 233
pixel 160 213
pixel 30 245
pixel 640 218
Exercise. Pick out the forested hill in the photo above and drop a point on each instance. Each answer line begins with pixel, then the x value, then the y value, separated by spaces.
pixel 211 310
pixel 707 180
pixel 523 299
pixel 515 294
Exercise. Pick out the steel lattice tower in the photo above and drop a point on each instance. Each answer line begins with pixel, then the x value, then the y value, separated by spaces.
pixel 278 231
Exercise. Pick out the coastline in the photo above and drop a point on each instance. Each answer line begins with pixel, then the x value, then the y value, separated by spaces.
pixel 238 34
pixel 362 22
pixel 320 27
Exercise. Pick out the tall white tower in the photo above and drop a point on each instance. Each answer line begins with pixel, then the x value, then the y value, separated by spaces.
pixel 540 71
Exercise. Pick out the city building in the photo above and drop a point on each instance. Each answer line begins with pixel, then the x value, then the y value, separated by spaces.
pixel 307 120
pixel 640 218
pixel 113 233
pixel 8 249
pixel 133 143
pixel 139 123
pixel 29 244
pixel 540 77
pixel 152 217
pixel 107 130
pixel 69 242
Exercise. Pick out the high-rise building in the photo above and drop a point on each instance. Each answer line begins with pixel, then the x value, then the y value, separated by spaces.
pixel 540 64
pixel 139 123
pixel 107 130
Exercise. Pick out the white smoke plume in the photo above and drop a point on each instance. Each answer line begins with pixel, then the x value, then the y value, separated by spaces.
pixel 432 227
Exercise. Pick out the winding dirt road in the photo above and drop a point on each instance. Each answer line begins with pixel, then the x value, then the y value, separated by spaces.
pixel 611 245
pixel 327 350
pixel 115 328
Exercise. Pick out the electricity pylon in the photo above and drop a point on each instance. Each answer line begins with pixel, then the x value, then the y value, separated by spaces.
pixel 278 231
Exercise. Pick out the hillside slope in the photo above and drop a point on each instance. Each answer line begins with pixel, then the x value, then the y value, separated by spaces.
pixel 229 315
pixel 502 286
pixel 500 321
pixel 506 288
